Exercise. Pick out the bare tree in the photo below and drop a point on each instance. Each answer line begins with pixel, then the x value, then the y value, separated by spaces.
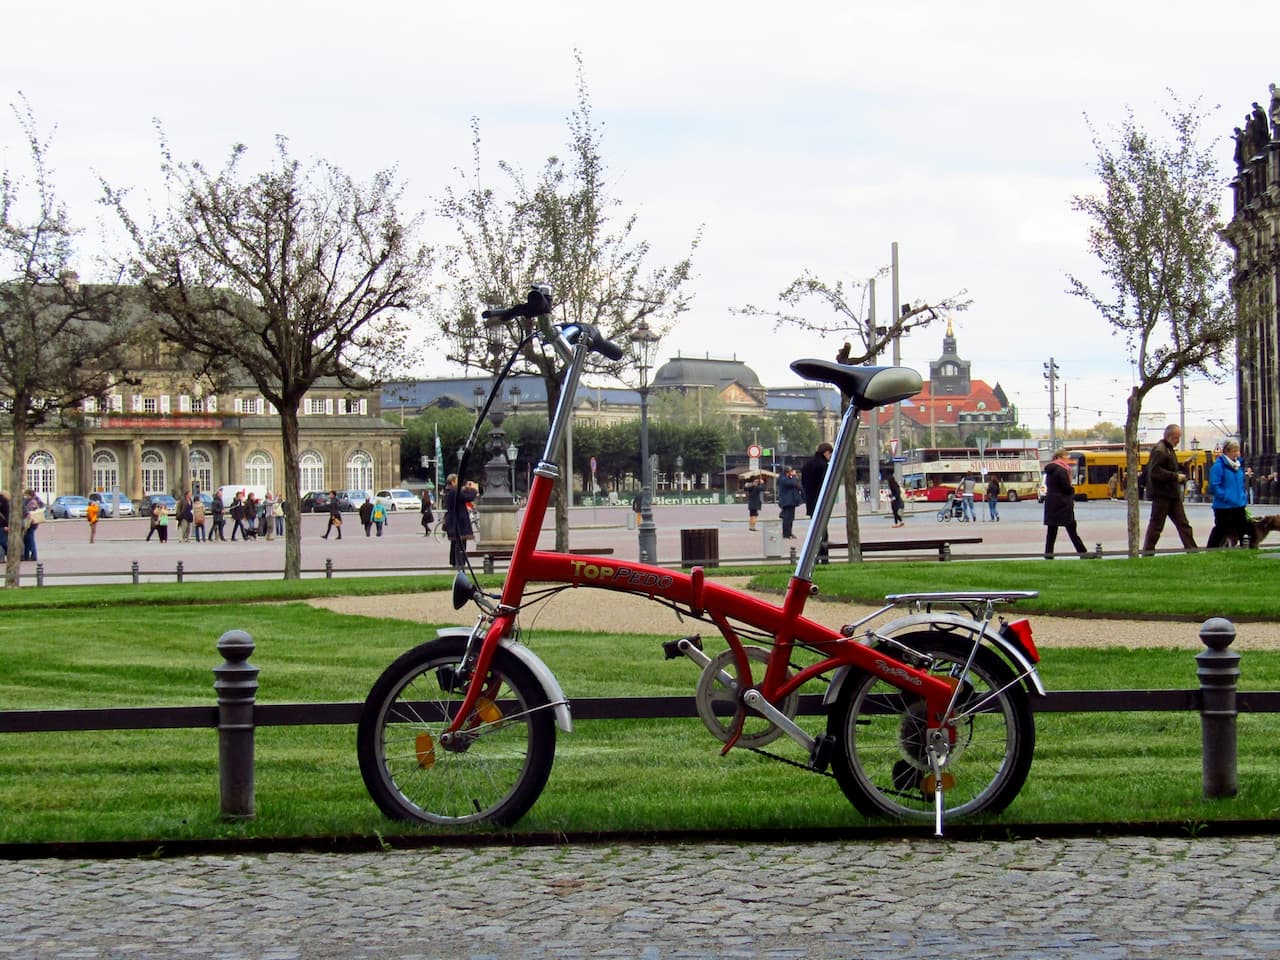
pixel 1156 229
pixel 290 275
pixel 562 230
pixel 864 342
pixel 61 341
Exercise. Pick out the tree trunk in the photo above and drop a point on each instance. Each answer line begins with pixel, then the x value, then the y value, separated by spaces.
pixel 1133 412
pixel 291 494
pixel 852 530
pixel 17 483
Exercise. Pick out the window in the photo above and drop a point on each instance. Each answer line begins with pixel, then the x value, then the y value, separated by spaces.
pixel 155 473
pixel 360 471
pixel 42 475
pixel 311 472
pixel 150 405
pixel 202 469
pixel 316 406
pixel 259 470
pixel 197 406
pixel 106 470
pixel 91 405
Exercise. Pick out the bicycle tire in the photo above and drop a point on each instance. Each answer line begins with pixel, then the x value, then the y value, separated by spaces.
pixel 498 772
pixel 880 758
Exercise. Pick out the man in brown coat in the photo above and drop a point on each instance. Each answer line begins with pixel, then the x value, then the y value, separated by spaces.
pixel 1165 481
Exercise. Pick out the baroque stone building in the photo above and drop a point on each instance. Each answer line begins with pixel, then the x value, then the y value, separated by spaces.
pixel 172 431
pixel 1254 233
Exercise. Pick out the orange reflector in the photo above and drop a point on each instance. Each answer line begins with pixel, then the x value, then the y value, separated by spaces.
pixel 488 711
pixel 425 748
pixel 927 784
pixel 1019 631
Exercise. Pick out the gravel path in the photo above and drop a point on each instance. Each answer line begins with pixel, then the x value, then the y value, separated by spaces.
pixel 607 611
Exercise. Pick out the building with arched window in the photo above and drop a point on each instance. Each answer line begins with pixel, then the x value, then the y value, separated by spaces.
pixel 168 430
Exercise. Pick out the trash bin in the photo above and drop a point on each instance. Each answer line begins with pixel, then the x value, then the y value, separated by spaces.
pixel 631 519
pixel 772 538
pixel 700 548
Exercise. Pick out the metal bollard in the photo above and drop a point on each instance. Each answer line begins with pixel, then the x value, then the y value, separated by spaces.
pixel 793 554
pixel 134 569
pixel 328 568
pixel 179 571
pixel 488 563
pixel 944 552
pixel 1097 550
pixel 39 574
pixel 236 684
pixel 1218 669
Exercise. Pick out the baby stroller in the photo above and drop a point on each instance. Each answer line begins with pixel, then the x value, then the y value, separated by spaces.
pixel 954 508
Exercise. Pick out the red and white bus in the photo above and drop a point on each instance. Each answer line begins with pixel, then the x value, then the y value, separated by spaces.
pixel 931 473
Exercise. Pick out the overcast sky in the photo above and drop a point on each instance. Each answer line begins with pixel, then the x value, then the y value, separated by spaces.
pixel 800 136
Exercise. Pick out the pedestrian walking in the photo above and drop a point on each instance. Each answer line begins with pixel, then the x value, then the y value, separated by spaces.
pixel 186 516
pixel 968 487
pixel 457 518
pixel 1060 505
pixel 162 523
pixel 1165 483
pixel 379 516
pixel 993 498
pixel 198 518
pixel 154 529
pixel 895 498
pixel 217 510
pixel 427 514
pixel 790 496
pixel 237 518
pixel 1230 499
pixel 755 496
pixel 335 516
pixel 91 514
pixel 812 474
pixel 277 513
pixel 365 513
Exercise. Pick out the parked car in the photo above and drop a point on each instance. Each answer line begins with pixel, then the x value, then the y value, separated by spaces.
pixel 349 500
pixel 315 502
pixel 398 498
pixel 65 508
pixel 148 502
pixel 107 503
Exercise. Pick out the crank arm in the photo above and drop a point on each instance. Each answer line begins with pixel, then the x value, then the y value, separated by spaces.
pixel 756 701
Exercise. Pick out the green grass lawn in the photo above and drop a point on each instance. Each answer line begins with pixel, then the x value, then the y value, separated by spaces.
pixel 101 647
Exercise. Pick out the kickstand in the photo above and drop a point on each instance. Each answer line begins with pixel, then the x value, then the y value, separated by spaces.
pixel 937 758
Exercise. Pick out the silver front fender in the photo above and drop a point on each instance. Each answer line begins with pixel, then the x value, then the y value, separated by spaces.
pixel 1023 667
pixel 541 672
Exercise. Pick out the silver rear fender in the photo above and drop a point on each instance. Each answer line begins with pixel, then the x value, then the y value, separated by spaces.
pixel 951 623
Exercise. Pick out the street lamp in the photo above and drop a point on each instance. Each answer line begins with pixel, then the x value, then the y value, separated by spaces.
pixel 512 452
pixel 680 473
pixel 645 344
pixel 1195 443
pixel 782 449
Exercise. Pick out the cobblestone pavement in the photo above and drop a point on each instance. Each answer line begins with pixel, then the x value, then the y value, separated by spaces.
pixel 1131 897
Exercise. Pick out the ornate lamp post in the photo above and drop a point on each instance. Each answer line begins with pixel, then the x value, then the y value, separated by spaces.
pixel 644 343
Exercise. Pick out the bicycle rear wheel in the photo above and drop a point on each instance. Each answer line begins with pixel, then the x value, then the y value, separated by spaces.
pixel 499 760
pixel 881 760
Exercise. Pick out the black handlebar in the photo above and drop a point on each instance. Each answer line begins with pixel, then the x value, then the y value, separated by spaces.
pixel 538 304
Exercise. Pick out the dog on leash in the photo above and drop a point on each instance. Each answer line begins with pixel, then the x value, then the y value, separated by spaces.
pixel 1261 526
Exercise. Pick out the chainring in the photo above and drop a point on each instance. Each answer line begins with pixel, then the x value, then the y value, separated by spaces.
pixel 719 700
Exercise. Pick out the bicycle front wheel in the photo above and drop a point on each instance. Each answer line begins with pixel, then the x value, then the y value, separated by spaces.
pixel 495 766
pixel 882 762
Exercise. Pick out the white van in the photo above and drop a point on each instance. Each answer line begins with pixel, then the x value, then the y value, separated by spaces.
pixel 228 492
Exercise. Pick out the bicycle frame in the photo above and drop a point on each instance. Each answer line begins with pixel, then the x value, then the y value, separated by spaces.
pixel 691 592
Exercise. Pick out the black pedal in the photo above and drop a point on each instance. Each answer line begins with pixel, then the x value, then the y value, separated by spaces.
pixel 823 748
pixel 671 648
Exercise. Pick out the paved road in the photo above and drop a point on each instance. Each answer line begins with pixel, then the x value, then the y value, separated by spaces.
pixel 66 556
pixel 1098 898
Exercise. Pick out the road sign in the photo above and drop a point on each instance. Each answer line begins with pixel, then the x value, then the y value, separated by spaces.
pixel 754 451
pixel 593 466
pixel 893 446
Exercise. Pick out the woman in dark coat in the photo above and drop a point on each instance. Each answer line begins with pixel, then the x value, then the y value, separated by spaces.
pixel 1060 505
pixel 457 518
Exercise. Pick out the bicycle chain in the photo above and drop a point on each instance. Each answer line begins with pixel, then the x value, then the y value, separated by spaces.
pixel 789 762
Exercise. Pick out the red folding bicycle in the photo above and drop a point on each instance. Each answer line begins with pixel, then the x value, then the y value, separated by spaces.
pixel 927 714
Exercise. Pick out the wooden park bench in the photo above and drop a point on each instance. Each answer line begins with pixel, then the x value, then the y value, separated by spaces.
pixel 942 545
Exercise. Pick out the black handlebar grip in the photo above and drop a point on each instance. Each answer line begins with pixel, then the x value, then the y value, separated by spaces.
pixel 607 349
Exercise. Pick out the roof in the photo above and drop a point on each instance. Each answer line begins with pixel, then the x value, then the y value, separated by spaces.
pixel 705 372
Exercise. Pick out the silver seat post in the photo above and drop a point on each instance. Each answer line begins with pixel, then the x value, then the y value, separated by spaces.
pixel 831 484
